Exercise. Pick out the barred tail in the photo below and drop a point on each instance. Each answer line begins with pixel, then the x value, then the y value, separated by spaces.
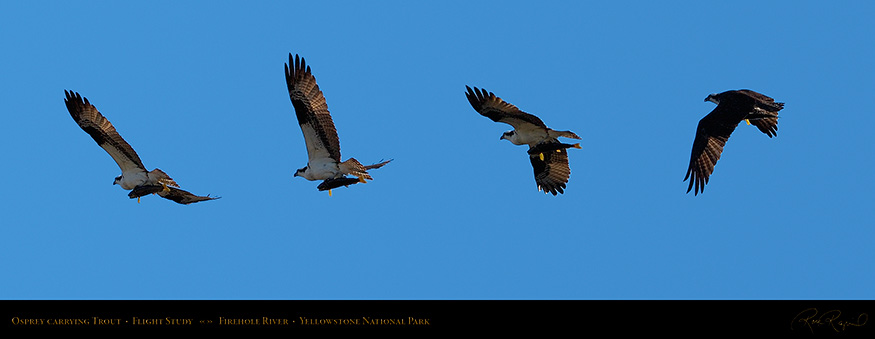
pixel 354 167
pixel 160 177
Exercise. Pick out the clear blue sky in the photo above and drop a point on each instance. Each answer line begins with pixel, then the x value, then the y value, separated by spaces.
pixel 197 88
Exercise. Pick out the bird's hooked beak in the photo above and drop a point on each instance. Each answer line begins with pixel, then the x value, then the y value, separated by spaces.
pixel 712 98
pixel 300 171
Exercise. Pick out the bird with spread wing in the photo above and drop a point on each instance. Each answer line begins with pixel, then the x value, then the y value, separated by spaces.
pixel 134 176
pixel 547 154
pixel 714 129
pixel 320 135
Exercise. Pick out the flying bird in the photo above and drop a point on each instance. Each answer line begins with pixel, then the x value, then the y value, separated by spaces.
pixel 134 176
pixel 320 135
pixel 714 129
pixel 548 156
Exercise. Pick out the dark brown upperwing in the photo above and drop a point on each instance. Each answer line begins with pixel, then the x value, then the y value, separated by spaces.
pixel 310 106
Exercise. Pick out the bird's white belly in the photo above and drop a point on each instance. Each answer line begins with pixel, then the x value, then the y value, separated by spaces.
pixel 131 180
pixel 530 137
pixel 322 170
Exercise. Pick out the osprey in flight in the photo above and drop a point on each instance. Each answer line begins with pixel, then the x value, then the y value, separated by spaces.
pixel 548 156
pixel 714 129
pixel 134 175
pixel 320 136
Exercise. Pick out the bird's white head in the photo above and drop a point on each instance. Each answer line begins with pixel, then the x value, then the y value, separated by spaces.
pixel 513 137
pixel 300 171
pixel 117 180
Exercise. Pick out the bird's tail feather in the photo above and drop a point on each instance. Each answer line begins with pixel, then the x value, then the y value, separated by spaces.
pixel 160 177
pixel 354 167
pixel 564 134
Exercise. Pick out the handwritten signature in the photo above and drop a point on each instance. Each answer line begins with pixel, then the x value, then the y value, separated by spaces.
pixel 811 318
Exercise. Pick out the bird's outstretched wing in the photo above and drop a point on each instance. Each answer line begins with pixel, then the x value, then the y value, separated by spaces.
pixel 102 131
pixel 769 126
pixel 492 107
pixel 171 193
pixel 551 171
pixel 320 135
pixel 378 165
pixel 711 135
